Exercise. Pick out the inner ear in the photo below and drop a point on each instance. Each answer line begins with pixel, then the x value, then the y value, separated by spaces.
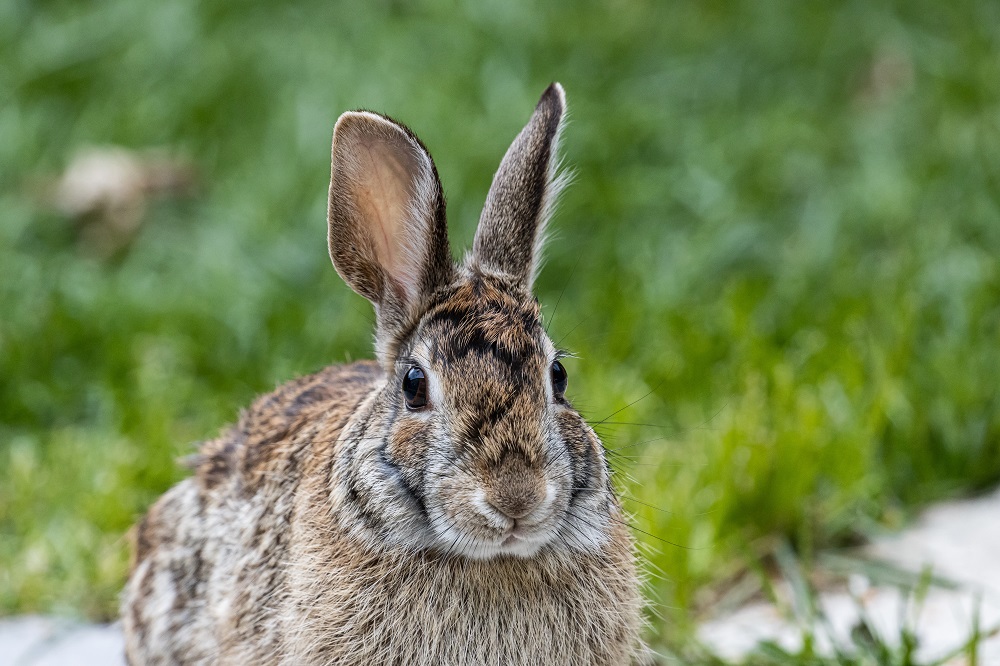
pixel 385 192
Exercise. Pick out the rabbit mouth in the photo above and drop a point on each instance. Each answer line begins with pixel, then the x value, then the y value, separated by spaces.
pixel 471 525
pixel 516 544
pixel 521 534
pixel 525 539
pixel 511 540
pixel 520 541
pixel 521 546
pixel 517 540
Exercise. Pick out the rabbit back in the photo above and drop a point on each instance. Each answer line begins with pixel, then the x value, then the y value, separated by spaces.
pixel 210 554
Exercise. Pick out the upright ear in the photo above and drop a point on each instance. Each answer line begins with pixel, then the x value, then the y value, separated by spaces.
pixel 387 229
pixel 509 237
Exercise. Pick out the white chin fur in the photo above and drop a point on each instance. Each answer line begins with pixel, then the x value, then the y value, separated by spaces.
pixel 488 551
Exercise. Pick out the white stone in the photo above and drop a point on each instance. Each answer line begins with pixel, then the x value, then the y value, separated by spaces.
pixel 959 541
pixel 42 641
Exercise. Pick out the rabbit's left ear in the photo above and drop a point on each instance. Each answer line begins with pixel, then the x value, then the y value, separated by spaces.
pixel 509 237
pixel 387 230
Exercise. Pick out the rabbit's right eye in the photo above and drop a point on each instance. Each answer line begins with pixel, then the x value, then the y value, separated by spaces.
pixel 559 379
pixel 415 388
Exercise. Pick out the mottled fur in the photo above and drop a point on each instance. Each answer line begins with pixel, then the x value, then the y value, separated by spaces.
pixel 335 525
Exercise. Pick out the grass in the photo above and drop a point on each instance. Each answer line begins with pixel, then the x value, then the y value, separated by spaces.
pixel 783 231
pixel 864 642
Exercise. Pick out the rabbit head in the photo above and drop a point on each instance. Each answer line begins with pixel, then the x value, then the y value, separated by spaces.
pixel 470 447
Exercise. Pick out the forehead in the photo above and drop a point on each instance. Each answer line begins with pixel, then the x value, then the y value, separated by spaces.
pixel 486 322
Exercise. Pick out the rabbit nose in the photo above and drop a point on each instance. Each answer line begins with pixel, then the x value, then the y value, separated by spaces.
pixel 517 489
pixel 516 505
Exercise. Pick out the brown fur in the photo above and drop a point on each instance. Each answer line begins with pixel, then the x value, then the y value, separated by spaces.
pixel 334 524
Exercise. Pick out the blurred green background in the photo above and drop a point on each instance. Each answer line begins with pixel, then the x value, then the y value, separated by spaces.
pixel 784 228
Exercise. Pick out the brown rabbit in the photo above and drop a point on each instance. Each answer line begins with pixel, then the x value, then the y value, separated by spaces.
pixel 443 505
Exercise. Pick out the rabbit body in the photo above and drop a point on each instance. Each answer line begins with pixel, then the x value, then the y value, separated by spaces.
pixel 443 505
pixel 238 565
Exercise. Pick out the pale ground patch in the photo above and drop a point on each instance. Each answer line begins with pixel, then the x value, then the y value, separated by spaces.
pixel 43 641
pixel 960 540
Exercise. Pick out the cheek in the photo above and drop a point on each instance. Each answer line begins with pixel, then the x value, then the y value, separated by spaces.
pixel 456 488
pixel 408 443
pixel 585 453
pixel 573 438
pixel 464 506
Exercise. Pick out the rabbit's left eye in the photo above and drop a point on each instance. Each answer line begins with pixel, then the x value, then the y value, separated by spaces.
pixel 415 388
pixel 559 379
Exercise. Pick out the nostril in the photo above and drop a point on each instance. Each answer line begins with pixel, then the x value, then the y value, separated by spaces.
pixel 514 510
pixel 514 487
pixel 516 503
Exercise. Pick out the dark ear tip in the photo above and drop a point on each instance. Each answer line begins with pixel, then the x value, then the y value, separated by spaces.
pixel 553 98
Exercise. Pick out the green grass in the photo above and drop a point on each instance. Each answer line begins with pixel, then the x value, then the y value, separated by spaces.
pixel 784 228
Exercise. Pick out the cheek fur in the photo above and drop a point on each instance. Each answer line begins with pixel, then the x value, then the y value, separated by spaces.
pixel 408 443
pixel 582 446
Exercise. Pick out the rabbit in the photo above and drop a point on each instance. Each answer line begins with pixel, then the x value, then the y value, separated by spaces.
pixel 442 505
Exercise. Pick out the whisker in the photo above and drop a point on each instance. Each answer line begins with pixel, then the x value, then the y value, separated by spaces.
pixel 624 496
pixel 552 316
pixel 630 423
pixel 566 334
pixel 633 527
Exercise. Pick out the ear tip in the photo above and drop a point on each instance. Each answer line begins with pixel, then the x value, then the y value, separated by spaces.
pixel 361 127
pixel 554 96
pixel 360 119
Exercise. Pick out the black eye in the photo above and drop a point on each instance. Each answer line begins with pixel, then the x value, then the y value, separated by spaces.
pixel 415 388
pixel 559 379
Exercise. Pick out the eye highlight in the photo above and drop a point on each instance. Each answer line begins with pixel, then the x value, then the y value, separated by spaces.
pixel 559 379
pixel 415 388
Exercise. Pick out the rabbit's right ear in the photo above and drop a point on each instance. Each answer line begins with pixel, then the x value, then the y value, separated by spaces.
pixel 387 229
pixel 511 228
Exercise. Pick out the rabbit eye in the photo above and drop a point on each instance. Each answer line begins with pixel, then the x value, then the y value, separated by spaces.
pixel 559 379
pixel 415 388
